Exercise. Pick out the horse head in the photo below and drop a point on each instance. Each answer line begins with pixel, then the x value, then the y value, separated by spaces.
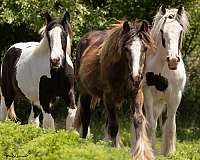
pixel 169 26
pixel 135 43
pixel 58 32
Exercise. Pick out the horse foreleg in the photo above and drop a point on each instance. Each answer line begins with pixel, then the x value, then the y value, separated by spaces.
pixel 141 147
pixel 72 110
pixel 113 126
pixel 151 122
pixel 34 116
pixel 72 101
pixel 169 130
pixel 11 112
pixel 70 120
pixel 48 121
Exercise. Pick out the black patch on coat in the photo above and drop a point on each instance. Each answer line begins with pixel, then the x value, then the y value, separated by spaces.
pixel 59 85
pixel 9 85
pixel 160 82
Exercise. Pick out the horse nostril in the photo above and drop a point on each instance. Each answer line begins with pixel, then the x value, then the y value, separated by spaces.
pixel 178 59
pixel 168 59
pixel 55 61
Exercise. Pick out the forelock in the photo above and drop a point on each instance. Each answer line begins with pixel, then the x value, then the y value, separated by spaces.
pixel 160 19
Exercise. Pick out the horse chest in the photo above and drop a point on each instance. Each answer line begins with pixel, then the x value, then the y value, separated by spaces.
pixel 29 69
pixel 118 76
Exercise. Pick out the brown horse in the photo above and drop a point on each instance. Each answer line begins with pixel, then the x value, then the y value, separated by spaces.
pixel 110 66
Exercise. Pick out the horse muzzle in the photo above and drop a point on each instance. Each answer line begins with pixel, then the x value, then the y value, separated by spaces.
pixel 173 62
pixel 137 80
pixel 55 62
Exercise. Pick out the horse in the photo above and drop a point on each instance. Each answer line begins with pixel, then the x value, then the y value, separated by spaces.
pixel 110 66
pixel 165 74
pixel 40 72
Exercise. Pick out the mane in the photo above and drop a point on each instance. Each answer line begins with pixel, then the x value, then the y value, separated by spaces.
pixel 42 30
pixel 110 50
pixel 160 19
pixel 56 20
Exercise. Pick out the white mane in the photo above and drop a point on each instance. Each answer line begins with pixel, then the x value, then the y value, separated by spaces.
pixel 42 30
pixel 160 19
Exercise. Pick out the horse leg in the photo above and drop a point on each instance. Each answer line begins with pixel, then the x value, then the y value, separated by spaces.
pixel 72 110
pixel 71 95
pixel 7 106
pixel 107 136
pixel 77 119
pixel 113 125
pixel 169 130
pixel 85 114
pixel 70 118
pixel 48 121
pixel 151 122
pixel 34 116
pixel 11 112
pixel 141 146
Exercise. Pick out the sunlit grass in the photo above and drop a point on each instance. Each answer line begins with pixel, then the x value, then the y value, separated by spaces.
pixel 27 142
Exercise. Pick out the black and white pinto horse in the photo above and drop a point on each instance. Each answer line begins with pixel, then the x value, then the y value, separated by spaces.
pixel 40 72
pixel 165 74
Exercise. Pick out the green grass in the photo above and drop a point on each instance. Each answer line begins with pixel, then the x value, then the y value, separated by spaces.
pixel 24 142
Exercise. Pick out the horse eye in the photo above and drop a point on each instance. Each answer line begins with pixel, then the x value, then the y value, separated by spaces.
pixel 126 49
pixel 145 49
pixel 171 16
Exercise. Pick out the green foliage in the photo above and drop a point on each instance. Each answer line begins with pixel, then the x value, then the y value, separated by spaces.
pixel 25 142
pixel 20 20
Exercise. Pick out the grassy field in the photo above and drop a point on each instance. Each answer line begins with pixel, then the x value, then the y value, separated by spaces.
pixel 20 142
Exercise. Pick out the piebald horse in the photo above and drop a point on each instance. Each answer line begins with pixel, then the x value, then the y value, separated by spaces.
pixel 40 72
pixel 165 74
pixel 110 65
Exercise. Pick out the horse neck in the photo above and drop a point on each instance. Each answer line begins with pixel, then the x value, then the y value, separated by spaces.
pixel 116 72
pixel 155 61
pixel 43 46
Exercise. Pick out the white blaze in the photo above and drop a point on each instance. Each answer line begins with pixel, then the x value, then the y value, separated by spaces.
pixel 135 53
pixel 55 43
pixel 172 30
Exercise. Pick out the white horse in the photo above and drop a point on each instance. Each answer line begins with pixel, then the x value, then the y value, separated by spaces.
pixel 40 72
pixel 165 74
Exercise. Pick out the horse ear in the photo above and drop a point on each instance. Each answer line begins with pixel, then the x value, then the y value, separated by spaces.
pixel 126 27
pixel 47 17
pixel 145 26
pixel 162 10
pixel 180 10
pixel 66 16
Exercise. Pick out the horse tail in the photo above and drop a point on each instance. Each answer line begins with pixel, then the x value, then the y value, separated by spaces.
pixel 142 149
